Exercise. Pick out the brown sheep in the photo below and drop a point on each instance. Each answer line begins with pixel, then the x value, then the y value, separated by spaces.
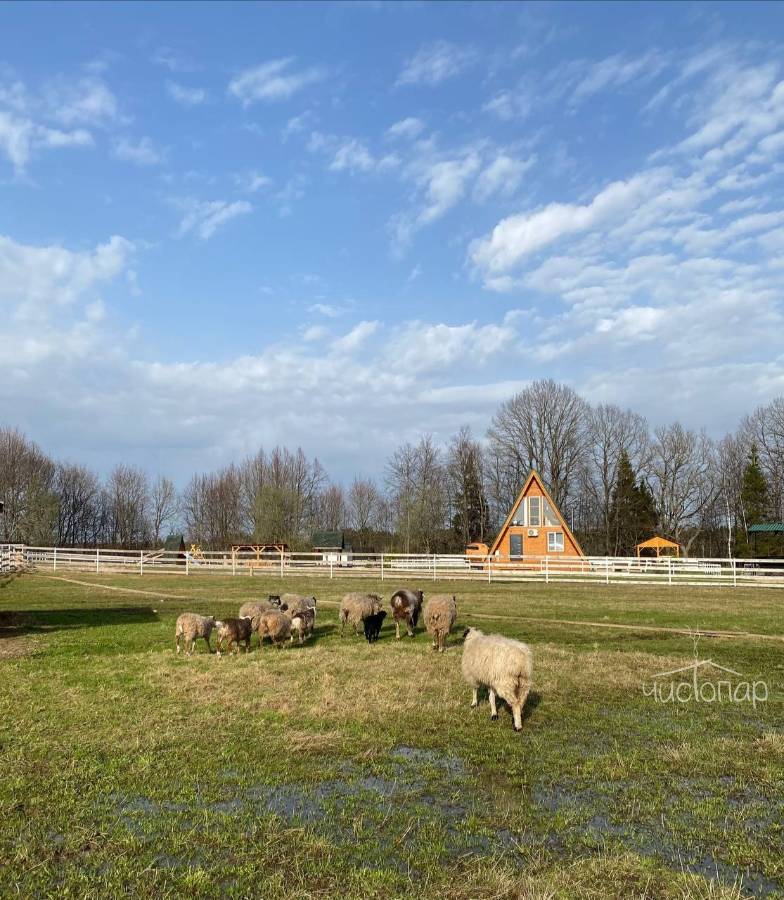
pixel 440 616
pixel 406 607
pixel 254 608
pixel 191 626
pixel 275 624
pixel 236 632
pixel 355 608
pixel 297 602
pixel 303 623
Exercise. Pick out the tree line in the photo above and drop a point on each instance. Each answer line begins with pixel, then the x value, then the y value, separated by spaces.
pixel 616 481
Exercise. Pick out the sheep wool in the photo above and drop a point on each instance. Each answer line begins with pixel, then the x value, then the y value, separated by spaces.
pixel 500 664
pixel 355 608
pixel 191 626
pixel 406 607
pixel 296 603
pixel 440 616
pixel 274 624
pixel 234 632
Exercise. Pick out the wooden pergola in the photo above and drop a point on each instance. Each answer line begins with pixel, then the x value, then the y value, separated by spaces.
pixel 658 544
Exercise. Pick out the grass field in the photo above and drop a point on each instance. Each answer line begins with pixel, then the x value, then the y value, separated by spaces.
pixel 339 769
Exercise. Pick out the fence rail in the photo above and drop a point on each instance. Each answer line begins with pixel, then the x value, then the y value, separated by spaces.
pixel 602 569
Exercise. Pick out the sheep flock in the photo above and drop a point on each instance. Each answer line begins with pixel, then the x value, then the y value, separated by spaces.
pixel 496 663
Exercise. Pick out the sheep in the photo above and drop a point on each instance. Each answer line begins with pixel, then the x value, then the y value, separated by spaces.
pixel 501 665
pixel 440 615
pixel 236 632
pixel 303 622
pixel 191 626
pixel 296 602
pixel 275 624
pixel 373 625
pixel 355 608
pixel 406 607
pixel 254 608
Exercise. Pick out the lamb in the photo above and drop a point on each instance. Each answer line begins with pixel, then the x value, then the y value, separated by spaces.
pixel 373 625
pixel 191 626
pixel 303 622
pixel 440 616
pixel 275 624
pixel 296 602
pixel 236 632
pixel 501 665
pixel 406 607
pixel 355 608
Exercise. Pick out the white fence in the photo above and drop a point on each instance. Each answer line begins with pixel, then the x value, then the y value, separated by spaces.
pixel 602 569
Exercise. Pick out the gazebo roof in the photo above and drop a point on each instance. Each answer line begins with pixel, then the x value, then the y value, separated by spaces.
pixel 659 542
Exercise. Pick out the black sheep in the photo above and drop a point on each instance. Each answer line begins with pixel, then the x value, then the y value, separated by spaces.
pixel 373 625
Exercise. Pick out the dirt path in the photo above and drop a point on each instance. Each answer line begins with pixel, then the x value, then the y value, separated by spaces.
pixel 663 629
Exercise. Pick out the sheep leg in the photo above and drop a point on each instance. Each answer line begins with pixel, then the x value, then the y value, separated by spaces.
pixel 397 629
pixel 177 642
pixel 517 711
pixel 207 641
pixel 474 698
pixel 493 710
pixel 192 647
pixel 409 628
pixel 441 641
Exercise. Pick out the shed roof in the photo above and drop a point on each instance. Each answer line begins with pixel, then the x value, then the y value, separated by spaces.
pixel 657 541
pixel 769 527
pixel 328 540
pixel 174 542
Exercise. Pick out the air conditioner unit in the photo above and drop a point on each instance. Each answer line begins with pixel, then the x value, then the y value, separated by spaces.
pixel 533 532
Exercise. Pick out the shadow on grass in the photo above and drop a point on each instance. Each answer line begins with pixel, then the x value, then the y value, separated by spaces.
pixel 38 621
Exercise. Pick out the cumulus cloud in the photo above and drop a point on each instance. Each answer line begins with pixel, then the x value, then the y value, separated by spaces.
pixel 406 129
pixel 435 63
pixel 86 101
pixel 204 218
pixel 276 79
pixel 20 137
pixel 355 338
pixel 502 176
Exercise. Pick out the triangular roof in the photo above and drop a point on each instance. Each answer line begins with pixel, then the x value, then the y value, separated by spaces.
pixel 329 540
pixel 657 541
pixel 533 475
pixel 174 542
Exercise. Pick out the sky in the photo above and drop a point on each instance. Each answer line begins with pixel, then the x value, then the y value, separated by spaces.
pixel 342 226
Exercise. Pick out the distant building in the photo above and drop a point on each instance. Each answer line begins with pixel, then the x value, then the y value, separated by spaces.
pixel 332 547
pixel 534 527
pixel 175 542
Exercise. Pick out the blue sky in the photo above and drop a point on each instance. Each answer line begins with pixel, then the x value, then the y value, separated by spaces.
pixel 340 226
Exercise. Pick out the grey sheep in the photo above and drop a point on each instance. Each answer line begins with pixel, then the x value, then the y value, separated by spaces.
pixel 254 608
pixel 440 615
pixel 275 624
pixel 191 626
pixel 501 665
pixel 234 632
pixel 355 608
pixel 406 607
pixel 296 603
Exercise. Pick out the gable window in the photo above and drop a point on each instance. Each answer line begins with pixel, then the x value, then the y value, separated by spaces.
pixel 555 542
pixel 534 511
pixel 515 545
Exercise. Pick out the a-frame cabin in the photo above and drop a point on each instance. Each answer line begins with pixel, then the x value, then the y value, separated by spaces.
pixel 534 527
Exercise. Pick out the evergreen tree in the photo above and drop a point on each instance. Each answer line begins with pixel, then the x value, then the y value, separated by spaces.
pixel 632 510
pixel 755 502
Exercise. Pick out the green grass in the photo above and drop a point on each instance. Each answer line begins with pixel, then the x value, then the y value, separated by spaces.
pixel 339 769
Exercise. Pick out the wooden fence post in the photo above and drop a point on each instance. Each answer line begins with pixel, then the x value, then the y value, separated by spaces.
pixel 54 560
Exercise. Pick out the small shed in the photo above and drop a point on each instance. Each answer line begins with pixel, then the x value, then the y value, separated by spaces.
pixel 332 547
pixel 658 546
pixel 767 528
pixel 175 542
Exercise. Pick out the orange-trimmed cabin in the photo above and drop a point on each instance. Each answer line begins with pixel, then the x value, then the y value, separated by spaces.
pixel 534 527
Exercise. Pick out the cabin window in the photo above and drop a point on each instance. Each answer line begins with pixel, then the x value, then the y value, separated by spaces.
pixel 519 515
pixel 555 542
pixel 515 545
pixel 534 511
pixel 550 517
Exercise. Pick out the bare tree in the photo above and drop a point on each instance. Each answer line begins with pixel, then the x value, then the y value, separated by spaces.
pixel 765 428
pixel 464 468
pixel 332 512
pixel 611 431
pixel 418 494
pixel 129 496
pixel 543 427
pixel 683 469
pixel 78 491
pixel 26 482
pixel 164 506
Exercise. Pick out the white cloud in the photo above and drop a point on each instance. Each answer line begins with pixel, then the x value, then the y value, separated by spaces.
pixel 21 137
pixel 33 279
pixel 353 339
pixel 185 96
pixel 406 129
pixel 273 80
pixel 87 101
pixel 204 218
pixel 616 71
pixel 508 105
pixel 142 152
pixel 502 176
pixel 518 236
pixel 252 182
pixel 315 333
pixel 172 60
pixel 435 63
pixel 327 309
pixel 354 156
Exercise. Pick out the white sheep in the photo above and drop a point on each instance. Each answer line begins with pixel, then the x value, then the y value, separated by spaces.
pixel 191 626
pixel 501 665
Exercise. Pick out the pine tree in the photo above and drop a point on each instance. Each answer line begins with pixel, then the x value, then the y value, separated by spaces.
pixel 755 502
pixel 632 511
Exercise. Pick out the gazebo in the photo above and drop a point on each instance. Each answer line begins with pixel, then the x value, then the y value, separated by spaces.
pixel 659 545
